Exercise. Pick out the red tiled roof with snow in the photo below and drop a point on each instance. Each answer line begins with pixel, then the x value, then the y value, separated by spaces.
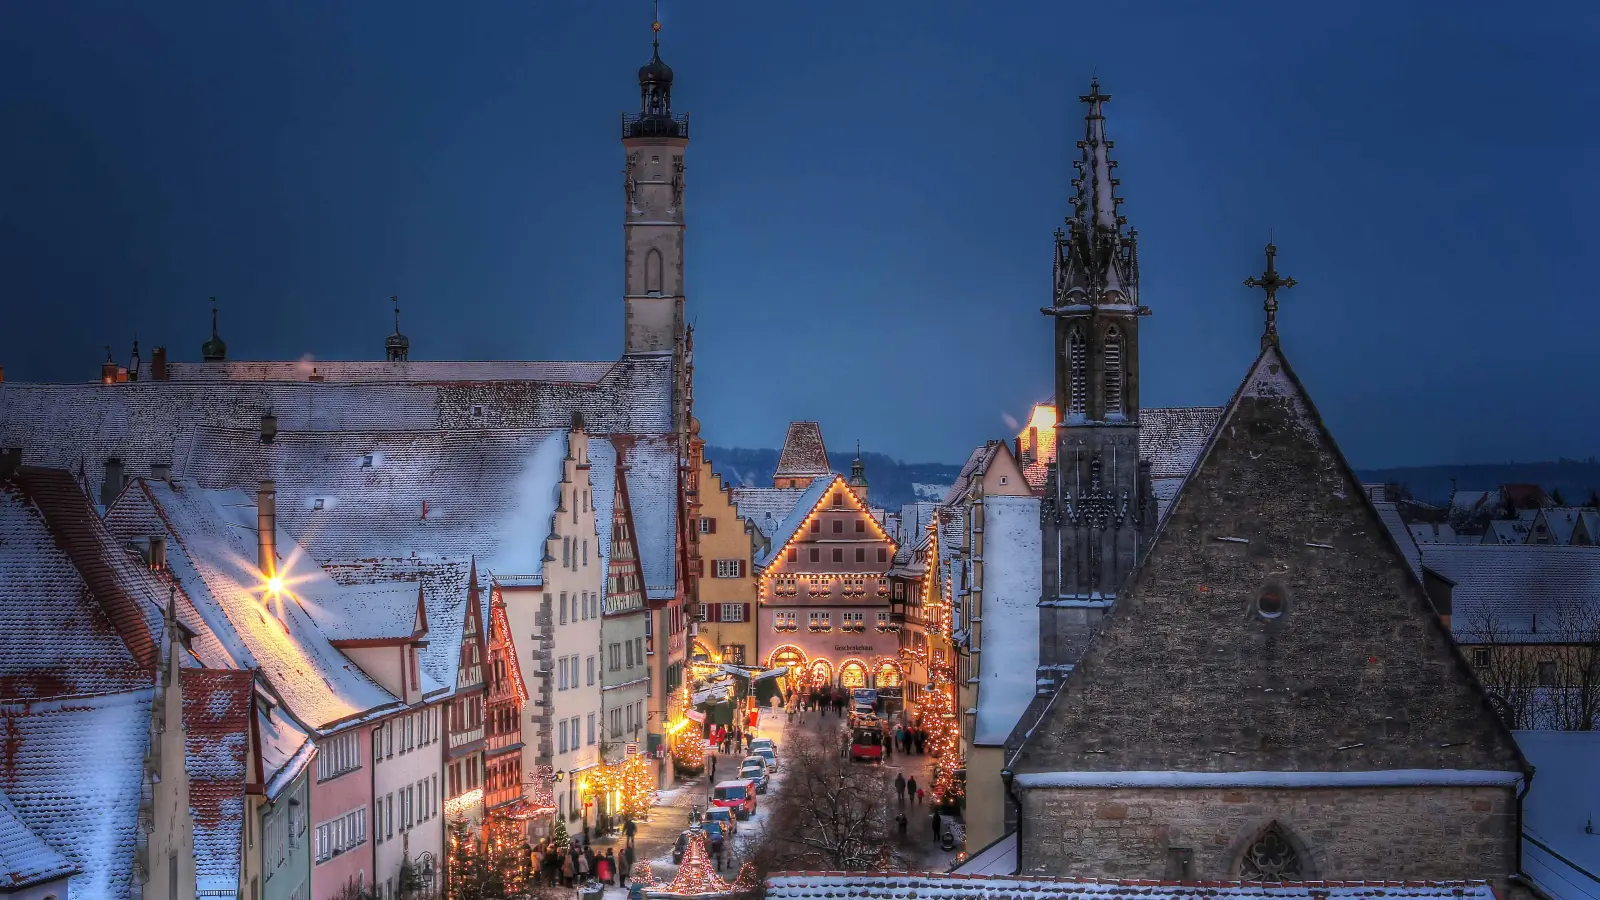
pixel 55 637
pixel 217 706
pixel 803 452
pixel 74 771
pixel 25 859
pixel 931 886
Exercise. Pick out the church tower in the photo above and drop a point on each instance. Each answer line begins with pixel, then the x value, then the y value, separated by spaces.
pixel 654 142
pixel 1098 511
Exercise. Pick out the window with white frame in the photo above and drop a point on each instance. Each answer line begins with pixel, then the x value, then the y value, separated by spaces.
pixel 732 612
pixel 561 731
pixel 883 619
pixel 785 620
pixel 730 568
pixel 821 621
pixel 341 835
pixel 338 754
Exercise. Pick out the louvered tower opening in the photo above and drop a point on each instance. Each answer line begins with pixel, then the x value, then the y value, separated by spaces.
pixel 1077 372
pixel 1113 372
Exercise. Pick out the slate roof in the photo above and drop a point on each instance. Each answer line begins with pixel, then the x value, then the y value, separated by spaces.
pixel 55 637
pixel 803 452
pixel 83 804
pixel 932 886
pixel 1272 504
pixel 1559 853
pixel 211 554
pixel 1506 532
pixel 24 858
pixel 444 597
pixel 1560 521
pixel 382 371
pixel 217 706
pixel 765 507
pixel 1389 514
pixel 373 611
pixel 1511 585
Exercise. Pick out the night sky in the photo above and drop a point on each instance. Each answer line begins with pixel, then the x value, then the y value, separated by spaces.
pixel 872 189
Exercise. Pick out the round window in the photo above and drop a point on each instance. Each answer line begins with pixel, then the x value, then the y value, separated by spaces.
pixel 1270 603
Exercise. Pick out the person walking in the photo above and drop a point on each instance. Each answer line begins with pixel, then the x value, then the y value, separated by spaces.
pixel 901 821
pixel 911 787
pixel 900 787
pixel 629 830
pixel 568 868
pixel 936 826
pixel 919 796
pixel 602 869
pixel 713 767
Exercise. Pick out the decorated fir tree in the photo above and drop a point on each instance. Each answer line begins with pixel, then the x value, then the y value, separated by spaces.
pixel 558 831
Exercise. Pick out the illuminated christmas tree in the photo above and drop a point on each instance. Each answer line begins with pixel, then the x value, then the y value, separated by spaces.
pixel 697 876
pixel 630 780
pixel 689 754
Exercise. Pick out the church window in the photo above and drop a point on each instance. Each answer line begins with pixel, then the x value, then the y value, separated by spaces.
pixel 1271 858
pixel 652 272
pixel 1077 371
pixel 1113 371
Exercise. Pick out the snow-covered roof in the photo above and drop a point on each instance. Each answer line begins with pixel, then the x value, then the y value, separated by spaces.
pixel 650 464
pixel 1436 533
pixel 444 598
pixel 82 802
pixel 765 507
pixel 1389 514
pixel 1558 851
pixel 977 463
pixel 1170 438
pixel 803 452
pixel 1472 502
pixel 375 611
pixel 1512 585
pixel 217 706
pixel 998 858
pixel 55 637
pixel 1558 521
pixel 584 372
pixel 804 504
pixel 932 886
pixel 212 555
pixel 24 858
pixel 1011 586
pixel 1506 532
pixel 286 749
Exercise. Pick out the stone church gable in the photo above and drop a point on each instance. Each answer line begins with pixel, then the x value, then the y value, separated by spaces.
pixel 1273 627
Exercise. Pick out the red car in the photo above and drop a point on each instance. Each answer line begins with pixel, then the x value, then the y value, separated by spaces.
pixel 738 797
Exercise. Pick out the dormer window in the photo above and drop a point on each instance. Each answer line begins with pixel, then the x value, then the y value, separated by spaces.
pixel 477 411
pixel 366 461
pixel 317 504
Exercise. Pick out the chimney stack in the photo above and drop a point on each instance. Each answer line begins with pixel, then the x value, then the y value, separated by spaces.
pixel 269 427
pixel 158 364
pixel 10 461
pixel 2 374
pixel 112 486
pixel 267 528
pixel 161 471
pixel 157 556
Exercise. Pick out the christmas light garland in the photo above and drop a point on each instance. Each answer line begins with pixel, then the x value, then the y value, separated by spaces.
pixel 697 875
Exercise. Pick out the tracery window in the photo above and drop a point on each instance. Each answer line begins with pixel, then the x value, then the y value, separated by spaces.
pixel 1077 371
pixel 1271 858
pixel 1113 371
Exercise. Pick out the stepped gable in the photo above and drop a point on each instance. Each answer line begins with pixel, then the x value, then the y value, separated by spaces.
pixel 803 452
pixel 1273 627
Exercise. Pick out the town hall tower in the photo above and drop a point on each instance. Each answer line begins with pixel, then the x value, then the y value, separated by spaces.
pixel 654 142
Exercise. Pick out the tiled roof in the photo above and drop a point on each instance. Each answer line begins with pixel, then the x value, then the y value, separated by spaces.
pixel 803 451
pixel 212 555
pixel 55 638
pixel 381 371
pixel 1171 437
pixel 217 705
pixel 444 597
pixel 148 422
pixel 1506 532
pixel 1509 586
pixel 285 749
pixel 651 466
pixel 977 461
pixel 74 771
pixel 24 858
pixel 931 886
pixel 765 507
pixel 375 611
pixel 804 504
pixel 1560 521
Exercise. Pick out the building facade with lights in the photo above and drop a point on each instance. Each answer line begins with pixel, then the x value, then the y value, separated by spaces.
pixel 625 676
pixel 728 632
pixel 823 590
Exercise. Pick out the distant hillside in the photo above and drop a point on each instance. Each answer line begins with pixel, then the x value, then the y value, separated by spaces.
pixel 892 483
pixel 1574 479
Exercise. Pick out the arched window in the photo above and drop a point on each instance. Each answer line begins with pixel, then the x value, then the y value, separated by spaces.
pixel 1271 857
pixel 652 271
pixel 1077 371
pixel 1113 371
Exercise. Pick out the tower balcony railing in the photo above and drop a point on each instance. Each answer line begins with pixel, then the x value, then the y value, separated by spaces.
pixel 634 126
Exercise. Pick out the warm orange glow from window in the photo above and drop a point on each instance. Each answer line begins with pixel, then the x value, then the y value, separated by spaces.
pixel 1044 416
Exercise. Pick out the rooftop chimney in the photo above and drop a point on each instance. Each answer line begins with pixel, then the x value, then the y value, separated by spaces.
pixel 10 461
pixel 2 374
pixel 161 471
pixel 158 364
pixel 112 486
pixel 157 556
pixel 269 427
pixel 267 528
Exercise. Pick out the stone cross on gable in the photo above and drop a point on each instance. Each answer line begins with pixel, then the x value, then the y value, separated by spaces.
pixel 1270 281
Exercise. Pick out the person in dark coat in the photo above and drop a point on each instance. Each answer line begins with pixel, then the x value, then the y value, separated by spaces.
pixel 629 830
pixel 936 826
pixel 911 786
pixel 900 787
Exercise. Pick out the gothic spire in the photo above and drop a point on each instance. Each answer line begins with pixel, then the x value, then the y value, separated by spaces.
pixel 1097 202
pixel 1096 263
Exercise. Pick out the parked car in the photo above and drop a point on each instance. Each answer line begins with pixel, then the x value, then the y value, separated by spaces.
pixel 757 773
pixel 725 818
pixel 769 754
pixel 738 796
pixel 767 743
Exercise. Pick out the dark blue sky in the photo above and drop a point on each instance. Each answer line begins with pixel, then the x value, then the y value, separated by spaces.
pixel 871 192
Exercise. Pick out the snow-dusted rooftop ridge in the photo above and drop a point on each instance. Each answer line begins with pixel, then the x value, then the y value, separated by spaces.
pixel 584 372
pixel 998 858
pixel 1271 779
pixel 83 804
pixel 1389 513
pixel 765 507
pixel 804 504
pixel 650 466
pixel 525 524
pixel 55 639
pixel 25 858
pixel 1559 853
pixel 1508 586
pixel 931 886
pixel 804 453
pixel 444 598
pixel 1007 668
pixel 212 555
pixel 977 463
pixel 374 611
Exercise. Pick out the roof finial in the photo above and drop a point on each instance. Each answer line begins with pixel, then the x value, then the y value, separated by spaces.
pixel 655 28
pixel 395 299
pixel 396 347
pixel 1270 281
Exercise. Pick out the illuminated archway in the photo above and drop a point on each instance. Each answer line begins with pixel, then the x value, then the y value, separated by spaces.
pixel 821 673
pixel 852 674
pixel 889 675
pixel 794 659
pixel 700 649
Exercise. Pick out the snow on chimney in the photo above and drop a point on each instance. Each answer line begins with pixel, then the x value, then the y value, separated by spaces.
pixel 267 529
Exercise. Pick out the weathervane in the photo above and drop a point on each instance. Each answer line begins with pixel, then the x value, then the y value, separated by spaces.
pixel 1270 282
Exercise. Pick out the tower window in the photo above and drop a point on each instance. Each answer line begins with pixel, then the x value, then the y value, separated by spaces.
pixel 1113 371
pixel 1077 371
pixel 652 271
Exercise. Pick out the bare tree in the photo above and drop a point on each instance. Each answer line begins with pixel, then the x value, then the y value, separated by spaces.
pixel 832 814
pixel 1543 670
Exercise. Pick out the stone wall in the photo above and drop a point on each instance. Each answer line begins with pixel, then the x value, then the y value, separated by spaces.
pixel 1350 833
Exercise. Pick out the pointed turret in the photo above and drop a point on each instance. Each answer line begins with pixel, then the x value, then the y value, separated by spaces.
pixel 396 347
pixel 858 475
pixel 1095 259
pixel 214 350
